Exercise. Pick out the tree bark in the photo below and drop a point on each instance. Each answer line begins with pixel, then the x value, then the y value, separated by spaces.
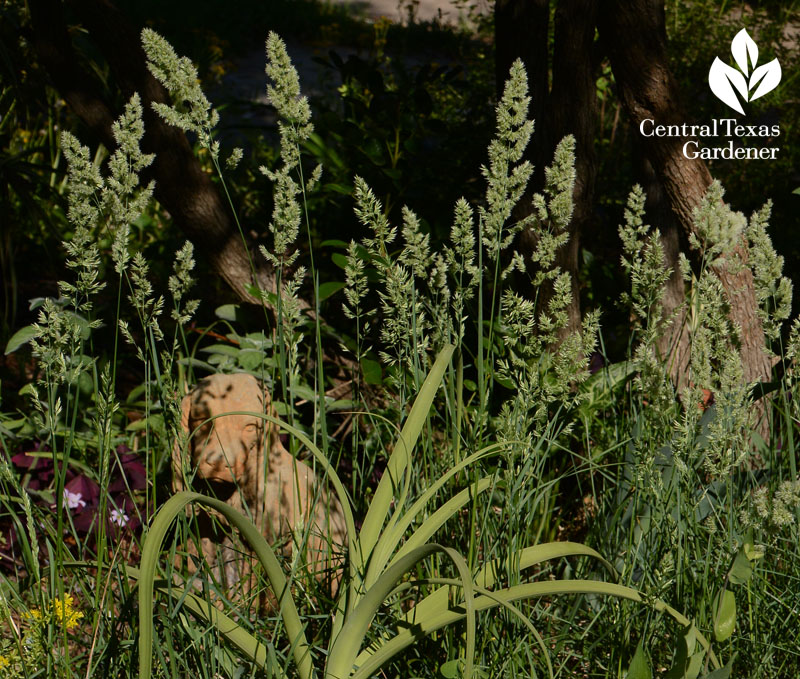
pixel 182 186
pixel 634 33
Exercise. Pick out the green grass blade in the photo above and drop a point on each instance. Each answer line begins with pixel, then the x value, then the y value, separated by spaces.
pixel 441 515
pixel 253 649
pixel 395 469
pixel 151 551
pixel 488 575
pixel 449 582
pixel 423 625
pixel 391 537
pixel 345 649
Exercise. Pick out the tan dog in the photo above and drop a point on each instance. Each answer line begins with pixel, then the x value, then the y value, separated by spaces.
pixel 240 459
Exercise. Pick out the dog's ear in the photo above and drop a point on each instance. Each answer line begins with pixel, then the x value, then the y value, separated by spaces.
pixel 177 449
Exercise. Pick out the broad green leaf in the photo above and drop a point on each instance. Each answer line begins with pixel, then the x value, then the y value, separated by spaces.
pixel 340 404
pixel 154 421
pixel 305 392
pixel 371 371
pixel 489 574
pixel 721 672
pixel 741 571
pixel 250 359
pixel 383 549
pixel 441 515
pixel 191 362
pixel 695 665
pixel 640 666
pixel 725 618
pixel 328 289
pixel 345 647
pixel 752 552
pixel 391 538
pixel 11 425
pixel 688 663
pixel 22 336
pixel 608 378
pixel 224 349
pixel 226 312
pixel 451 669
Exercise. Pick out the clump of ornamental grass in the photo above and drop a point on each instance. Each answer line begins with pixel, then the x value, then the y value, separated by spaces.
pixel 75 405
pixel 643 261
pixel 544 369
pixel 714 363
pixel 772 511
pixel 773 289
pixel 682 493
pixel 395 540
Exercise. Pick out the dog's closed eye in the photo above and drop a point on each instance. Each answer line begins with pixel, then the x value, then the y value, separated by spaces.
pixel 251 434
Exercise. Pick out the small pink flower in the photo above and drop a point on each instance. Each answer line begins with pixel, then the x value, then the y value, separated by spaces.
pixel 119 517
pixel 73 500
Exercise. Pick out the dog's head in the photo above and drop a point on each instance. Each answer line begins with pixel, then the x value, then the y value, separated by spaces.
pixel 223 444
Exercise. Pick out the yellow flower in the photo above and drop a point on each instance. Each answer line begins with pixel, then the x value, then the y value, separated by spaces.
pixel 34 614
pixel 65 613
pixel 4 662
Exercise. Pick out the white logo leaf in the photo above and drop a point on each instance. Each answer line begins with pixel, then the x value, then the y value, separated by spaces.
pixel 721 77
pixel 741 46
pixel 769 74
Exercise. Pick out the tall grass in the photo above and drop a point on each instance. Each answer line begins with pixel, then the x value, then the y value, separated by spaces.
pixel 531 518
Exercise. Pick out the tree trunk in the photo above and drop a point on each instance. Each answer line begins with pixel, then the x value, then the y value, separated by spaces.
pixel 182 186
pixel 635 36
pixel 568 106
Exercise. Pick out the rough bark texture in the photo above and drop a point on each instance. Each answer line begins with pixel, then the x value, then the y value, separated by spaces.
pixel 182 187
pixel 635 36
pixel 567 106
